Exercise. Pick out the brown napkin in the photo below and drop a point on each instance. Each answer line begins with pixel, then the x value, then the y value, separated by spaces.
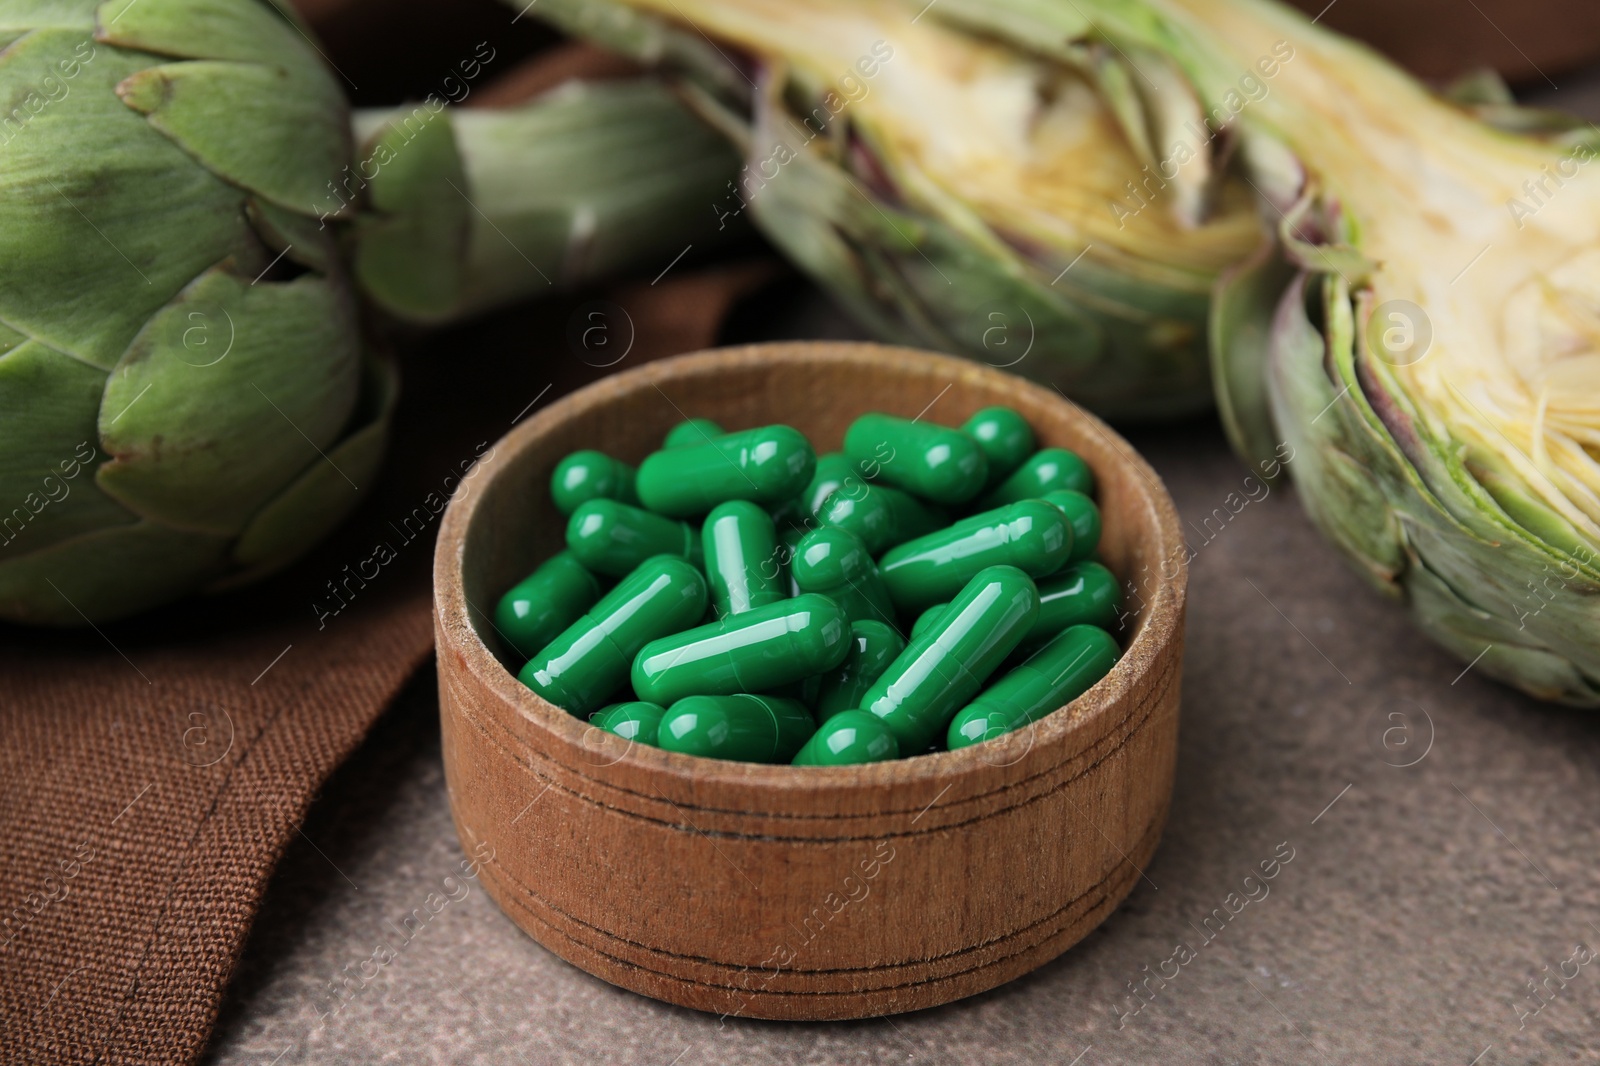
pixel 152 771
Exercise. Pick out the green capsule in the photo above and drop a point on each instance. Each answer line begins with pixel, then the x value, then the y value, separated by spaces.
pixel 692 431
pixel 882 517
pixel 1047 471
pixel 1084 593
pixel 926 619
pixel 588 661
pixel 767 465
pixel 1083 516
pixel 935 462
pixel 589 475
pixel 541 605
pixel 612 538
pixel 756 651
pixel 741 553
pixel 835 563
pixel 1052 677
pixel 848 739
pixel 736 726
pixel 1006 440
pixel 834 471
pixel 634 720
pixel 945 667
pixel 873 646
pixel 1031 535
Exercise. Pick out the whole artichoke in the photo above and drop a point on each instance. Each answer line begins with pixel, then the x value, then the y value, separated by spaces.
pixel 186 397
pixel 998 199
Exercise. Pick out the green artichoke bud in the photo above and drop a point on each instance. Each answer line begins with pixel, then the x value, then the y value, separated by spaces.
pixel 186 397
pixel 1422 331
pixel 999 198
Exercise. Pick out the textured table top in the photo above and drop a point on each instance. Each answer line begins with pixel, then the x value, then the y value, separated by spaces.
pixel 1440 829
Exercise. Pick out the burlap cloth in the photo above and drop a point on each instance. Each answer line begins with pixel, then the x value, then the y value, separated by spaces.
pixel 152 772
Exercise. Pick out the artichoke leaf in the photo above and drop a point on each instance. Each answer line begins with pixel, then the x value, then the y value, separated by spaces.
pixel 311 506
pixel 203 105
pixel 107 574
pixel 255 32
pixel 89 252
pixel 1241 336
pixel 226 396
pixel 47 487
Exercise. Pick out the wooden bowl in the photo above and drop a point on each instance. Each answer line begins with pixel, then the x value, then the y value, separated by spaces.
pixel 802 893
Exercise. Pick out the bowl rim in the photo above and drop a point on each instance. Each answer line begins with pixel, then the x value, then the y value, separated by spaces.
pixel 1160 622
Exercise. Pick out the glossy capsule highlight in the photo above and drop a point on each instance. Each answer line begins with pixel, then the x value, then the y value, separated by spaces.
pixel 1005 437
pixel 739 726
pixel 590 475
pixel 1055 675
pixel 1084 518
pixel 835 564
pixel 537 608
pixel 1032 536
pixel 692 431
pixel 1084 593
pixel 633 720
pixel 766 465
pixel 1045 471
pixel 882 517
pixel 935 462
pixel 612 538
pixel 944 668
pixel 589 660
pixel 848 739
pixel 740 545
pixel 873 646
pixel 759 650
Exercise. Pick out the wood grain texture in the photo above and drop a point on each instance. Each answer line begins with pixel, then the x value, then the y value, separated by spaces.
pixel 781 892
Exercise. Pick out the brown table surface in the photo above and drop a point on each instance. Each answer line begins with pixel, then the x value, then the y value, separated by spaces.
pixel 1420 902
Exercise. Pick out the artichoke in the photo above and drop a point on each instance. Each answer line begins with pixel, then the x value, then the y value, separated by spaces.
pixel 998 199
pixel 187 397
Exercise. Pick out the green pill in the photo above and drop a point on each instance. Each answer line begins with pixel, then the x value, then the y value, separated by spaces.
pixel 1084 593
pixel 1082 515
pixel 634 720
pixel 1052 677
pixel 935 462
pixel 766 465
pixel 926 619
pixel 835 564
pixel 588 661
pixel 736 726
pixel 834 471
pixel 1005 437
pixel 756 651
pixel 944 668
pixel 541 605
pixel 741 553
pixel 612 538
pixel 1047 471
pixel 873 646
pixel 882 517
pixel 692 431
pixel 848 739
pixel 588 475
pixel 1032 536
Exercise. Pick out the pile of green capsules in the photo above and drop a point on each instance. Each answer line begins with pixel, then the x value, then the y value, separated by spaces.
pixel 771 631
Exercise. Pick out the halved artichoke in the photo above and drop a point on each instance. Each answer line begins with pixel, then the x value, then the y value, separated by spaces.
pixel 962 192
pixel 186 396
